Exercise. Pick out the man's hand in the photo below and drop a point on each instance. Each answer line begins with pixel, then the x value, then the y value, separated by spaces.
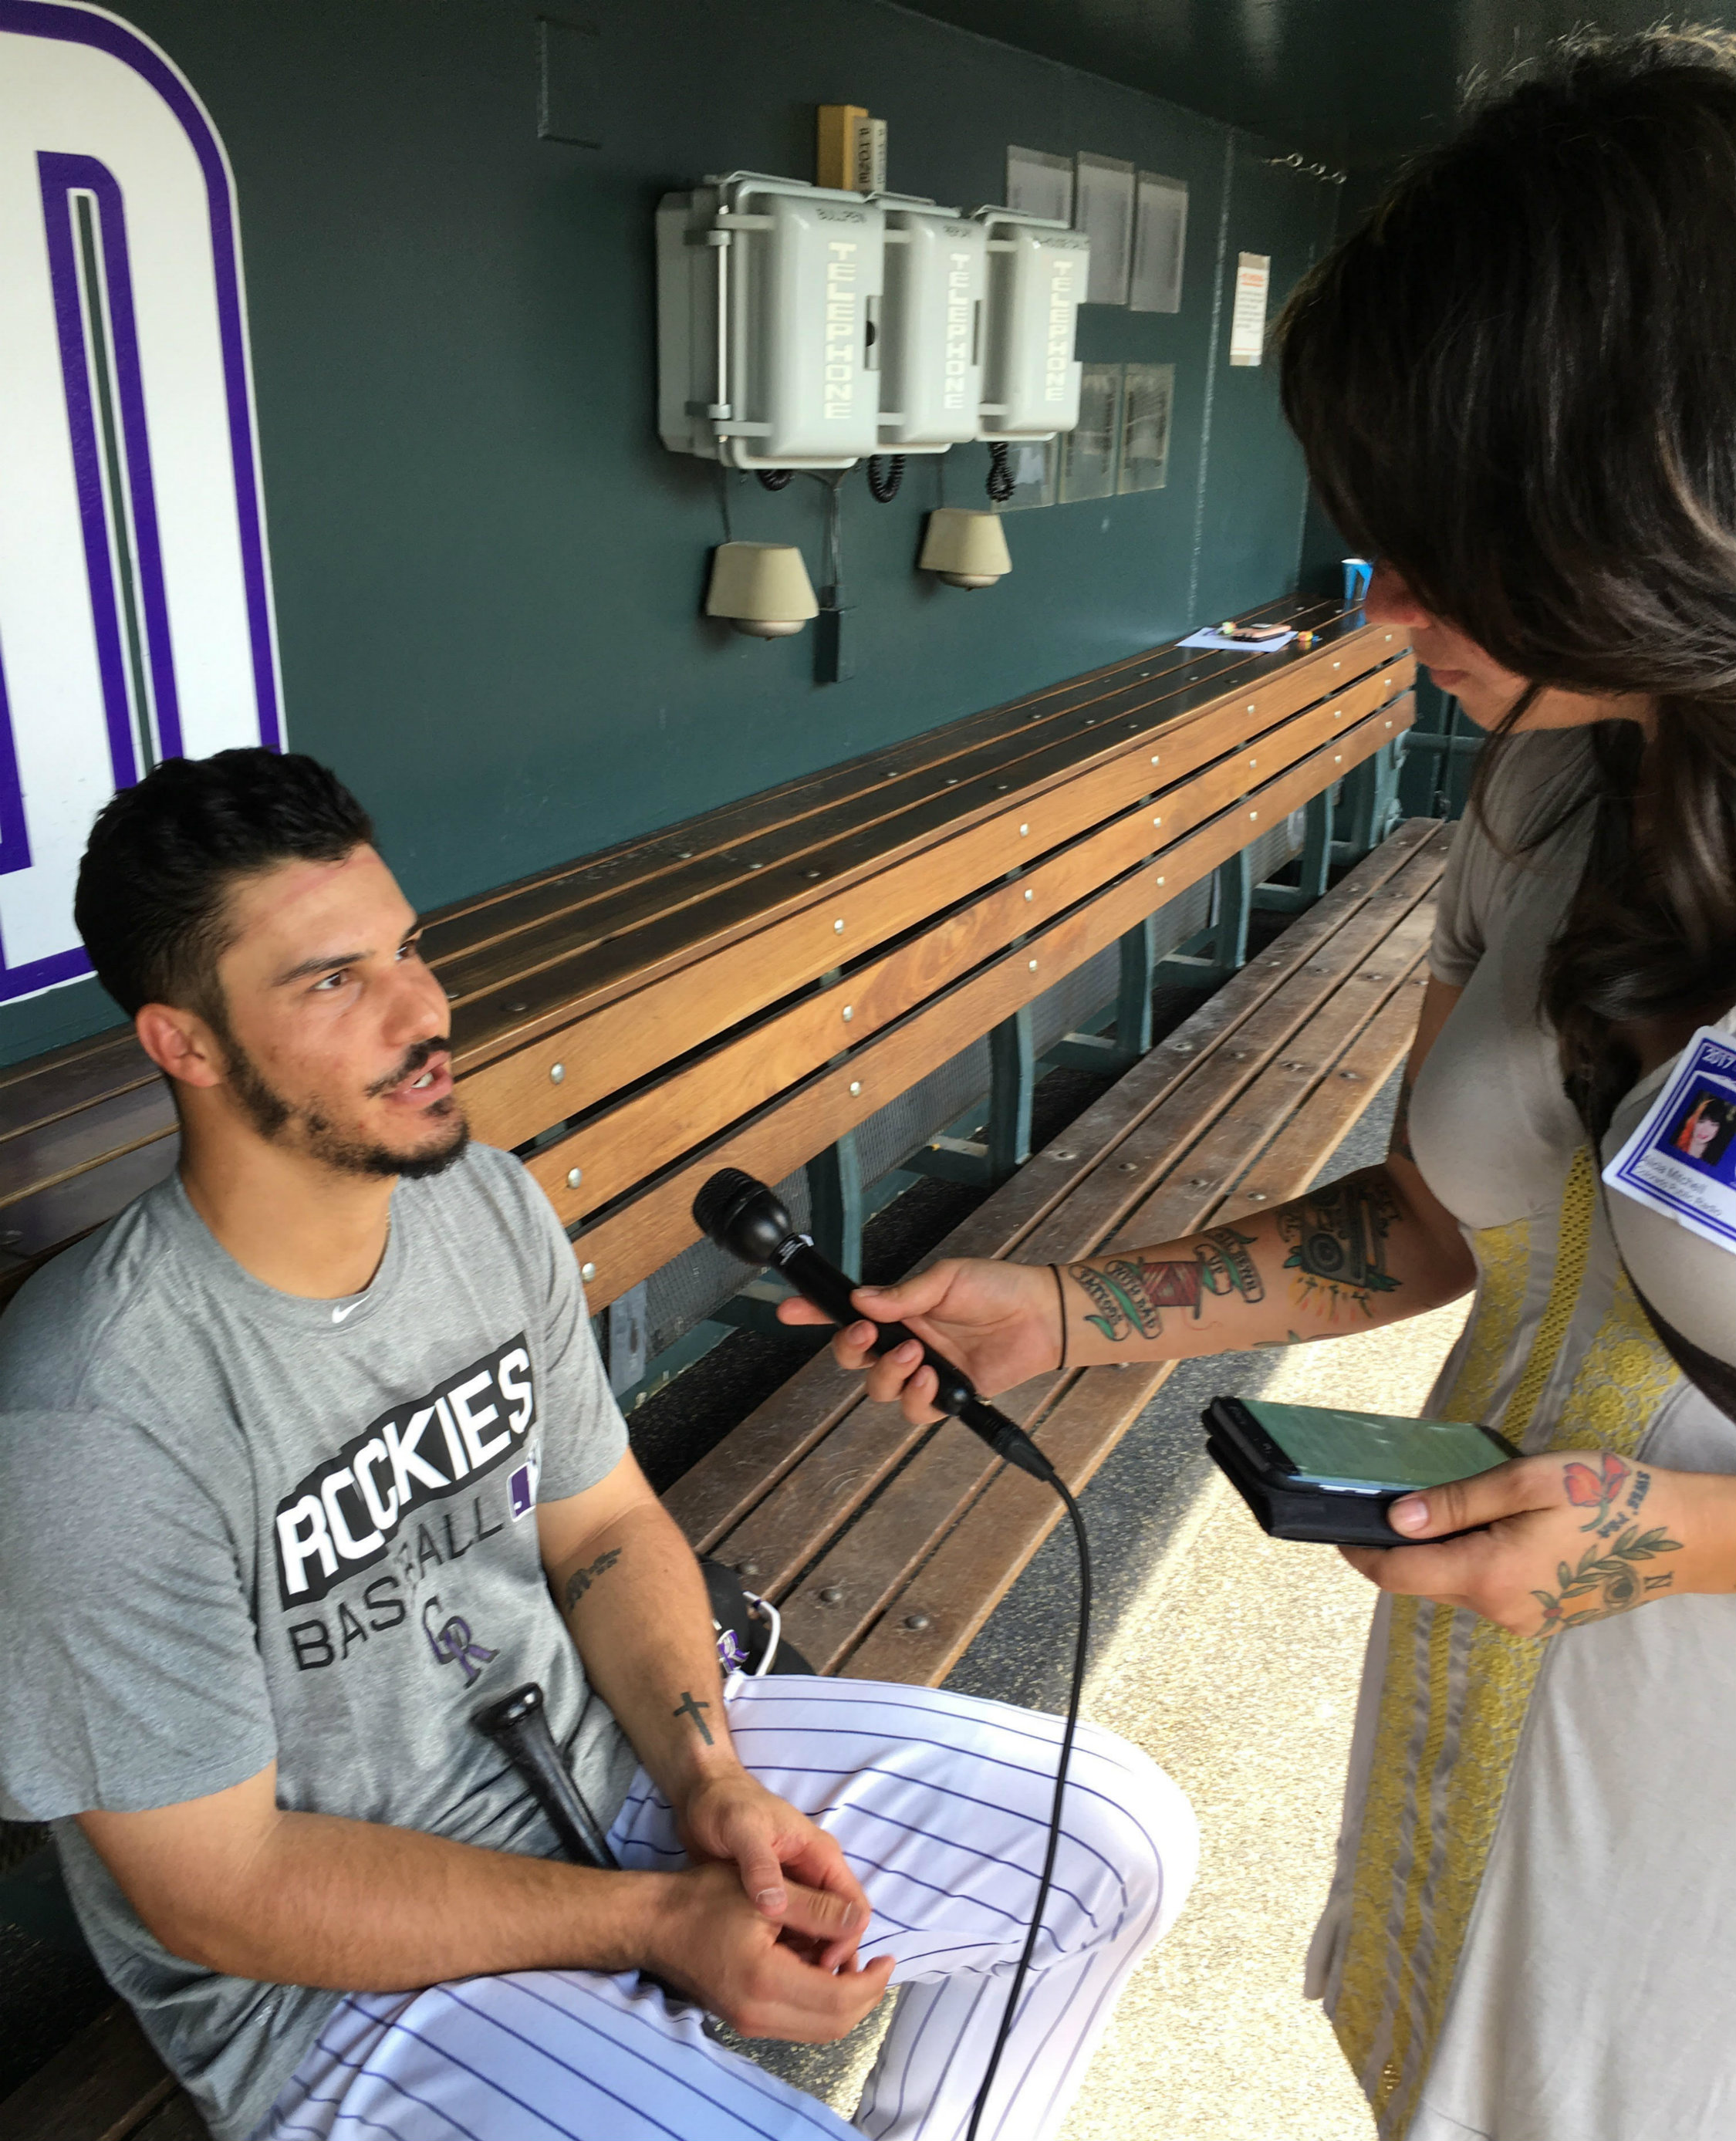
pixel 1560 1539
pixel 730 1816
pixel 765 1979
pixel 1000 1322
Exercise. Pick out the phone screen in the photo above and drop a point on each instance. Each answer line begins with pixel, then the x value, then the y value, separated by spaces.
pixel 1333 1449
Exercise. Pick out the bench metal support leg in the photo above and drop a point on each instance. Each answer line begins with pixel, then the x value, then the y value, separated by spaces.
pixel 1371 802
pixel 1317 843
pixel 1356 816
pixel 1208 960
pixel 628 1351
pixel 953 1160
pixel 1111 1054
pixel 1132 1000
pixel 987 1162
pixel 1316 860
pixel 1392 762
pixel 1012 1080
pixel 754 1307
pixel 1235 904
pixel 834 1201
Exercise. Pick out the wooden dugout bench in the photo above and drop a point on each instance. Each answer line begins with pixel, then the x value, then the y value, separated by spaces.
pixel 758 980
pixel 748 988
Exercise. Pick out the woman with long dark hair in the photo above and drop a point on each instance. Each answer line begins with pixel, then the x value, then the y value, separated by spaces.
pixel 1516 385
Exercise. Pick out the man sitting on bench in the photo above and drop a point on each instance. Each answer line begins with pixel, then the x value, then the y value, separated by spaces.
pixel 308 1453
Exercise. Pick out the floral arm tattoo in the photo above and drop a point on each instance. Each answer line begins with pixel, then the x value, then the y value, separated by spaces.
pixel 1337 1239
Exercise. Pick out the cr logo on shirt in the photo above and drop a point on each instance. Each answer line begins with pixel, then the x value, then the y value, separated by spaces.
pixel 452 1642
pixel 342 1517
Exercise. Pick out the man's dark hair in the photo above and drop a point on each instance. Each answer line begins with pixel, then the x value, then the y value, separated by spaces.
pixel 152 904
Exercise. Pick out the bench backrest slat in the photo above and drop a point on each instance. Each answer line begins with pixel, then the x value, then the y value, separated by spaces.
pixel 518 984
pixel 510 1100
pixel 628 1244
pixel 655 1126
pixel 469 923
pixel 44 1088
pixel 67 1144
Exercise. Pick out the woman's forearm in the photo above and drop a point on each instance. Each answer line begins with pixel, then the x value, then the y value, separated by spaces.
pixel 1354 1253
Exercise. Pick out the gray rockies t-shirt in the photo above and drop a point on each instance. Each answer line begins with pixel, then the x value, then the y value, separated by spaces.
pixel 236 1525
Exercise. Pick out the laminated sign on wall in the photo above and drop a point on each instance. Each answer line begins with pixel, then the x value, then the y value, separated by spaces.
pixel 1038 184
pixel 1247 321
pixel 1103 208
pixel 135 618
pixel 1160 243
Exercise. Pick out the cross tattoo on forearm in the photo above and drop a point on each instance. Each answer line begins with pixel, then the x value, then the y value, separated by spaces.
pixel 687 1707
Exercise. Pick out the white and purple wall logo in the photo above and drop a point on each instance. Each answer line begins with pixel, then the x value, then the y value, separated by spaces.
pixel 135 618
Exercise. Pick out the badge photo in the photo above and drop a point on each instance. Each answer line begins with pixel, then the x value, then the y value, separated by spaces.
pixel 1681 1160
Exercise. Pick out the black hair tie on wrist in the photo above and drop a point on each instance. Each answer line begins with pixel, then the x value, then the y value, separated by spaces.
pixel 1060 1294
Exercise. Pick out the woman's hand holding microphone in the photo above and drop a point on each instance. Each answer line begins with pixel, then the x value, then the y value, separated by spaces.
pixel 1000 1322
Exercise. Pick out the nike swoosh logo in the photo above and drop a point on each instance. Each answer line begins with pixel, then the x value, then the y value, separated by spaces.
pixel 339 1314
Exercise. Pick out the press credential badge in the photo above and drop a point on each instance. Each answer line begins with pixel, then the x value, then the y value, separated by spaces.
pixel 1681 1160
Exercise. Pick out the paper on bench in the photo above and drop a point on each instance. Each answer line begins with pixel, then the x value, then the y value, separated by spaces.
pixel 1207 637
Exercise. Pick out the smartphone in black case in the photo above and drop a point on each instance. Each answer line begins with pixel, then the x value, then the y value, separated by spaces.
pixel 1314 1473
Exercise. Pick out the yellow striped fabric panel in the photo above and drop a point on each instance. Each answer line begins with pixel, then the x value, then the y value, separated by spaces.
pixel 1493 1713
pixel 1391 1912
pixel 1579 1206
pixel 1375 1967
pixel 1622 1380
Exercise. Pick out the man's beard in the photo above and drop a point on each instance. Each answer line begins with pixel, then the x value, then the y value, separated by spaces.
pixel 271 1116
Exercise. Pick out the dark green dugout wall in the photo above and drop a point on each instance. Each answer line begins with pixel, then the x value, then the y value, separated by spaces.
pixel 487 571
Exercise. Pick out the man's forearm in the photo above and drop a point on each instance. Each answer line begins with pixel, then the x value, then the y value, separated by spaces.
pixel 1344 1257
pixel 638 1610
pixel 357 1907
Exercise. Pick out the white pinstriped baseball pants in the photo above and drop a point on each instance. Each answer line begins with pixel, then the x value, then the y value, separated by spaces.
pixel 941 1803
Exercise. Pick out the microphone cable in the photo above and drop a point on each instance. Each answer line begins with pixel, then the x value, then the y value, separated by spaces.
pixel 746 1218
pixel 1045 1882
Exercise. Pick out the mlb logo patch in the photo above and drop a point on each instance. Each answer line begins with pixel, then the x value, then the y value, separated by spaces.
pixel 521 1490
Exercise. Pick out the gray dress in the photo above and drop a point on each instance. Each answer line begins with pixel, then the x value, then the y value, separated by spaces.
pixel 1532 1932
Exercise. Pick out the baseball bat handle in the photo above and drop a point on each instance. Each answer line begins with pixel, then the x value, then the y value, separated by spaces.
pixel 518 1723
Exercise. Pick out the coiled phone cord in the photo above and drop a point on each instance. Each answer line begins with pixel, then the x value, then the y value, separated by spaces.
pixel 885 473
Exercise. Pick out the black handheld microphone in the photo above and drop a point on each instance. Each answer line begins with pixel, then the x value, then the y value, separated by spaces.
pixel 518 1723
pixel 744 1217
